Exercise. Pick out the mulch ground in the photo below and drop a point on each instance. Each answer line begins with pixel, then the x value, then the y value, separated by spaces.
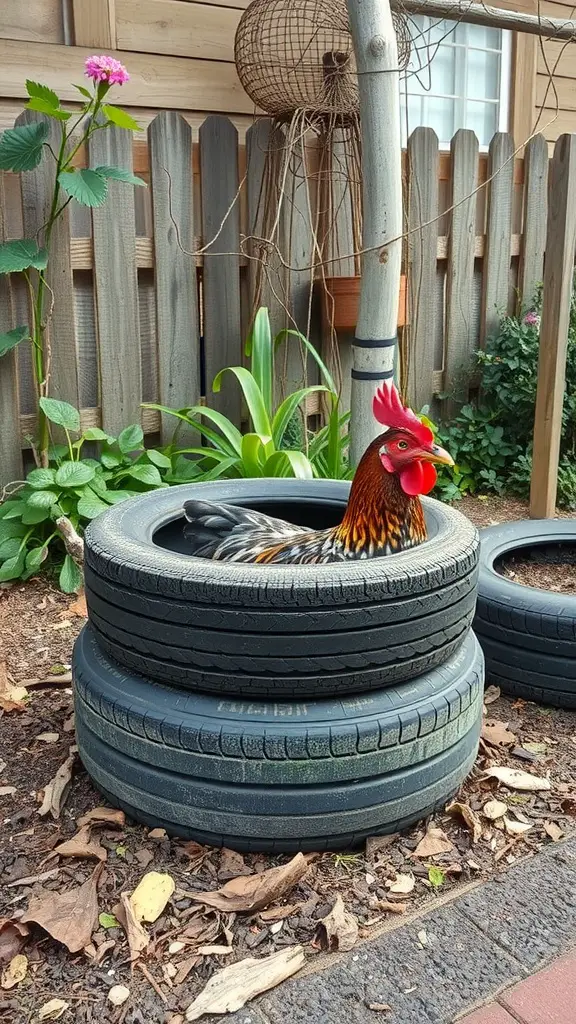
pixel 188 941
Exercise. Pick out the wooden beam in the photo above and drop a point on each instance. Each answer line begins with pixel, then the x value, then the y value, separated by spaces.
pixel 556 299
pixel 523 98
pixel 95 23
pixel 493 17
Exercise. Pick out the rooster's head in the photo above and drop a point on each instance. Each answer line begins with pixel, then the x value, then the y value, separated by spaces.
pixel 407 446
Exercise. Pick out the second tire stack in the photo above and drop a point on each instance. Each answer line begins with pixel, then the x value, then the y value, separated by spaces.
pixel 272 707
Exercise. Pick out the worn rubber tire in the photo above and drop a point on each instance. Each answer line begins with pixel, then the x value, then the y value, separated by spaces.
pixel 528 635
pixel 277 776
pixel 290 631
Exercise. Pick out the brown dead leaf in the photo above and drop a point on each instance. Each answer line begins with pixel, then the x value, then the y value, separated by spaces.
pixel 379 1007
pixel 280 913
pixel 69 917
pixel 232 864
pixel 516 828
pixel 48 737
pixel 497 734
pixel 44 876
pixel 53 1009
pixel 231 988
pixel 184 968
pixel 107 815
pixel 56 791
pixel 203 927
pixel 7 790
pixel 434 843
pixel 338 931
pixel 81 845
pixel 491 693
pixel 144 857
pixel 13 936
pixel 12 697
pixel 390 908
pixel 376 844
pixel 401 884
pixel 553 830
pixel 157 833
pixel 15 972
pixel 470 818
pixel 69 724
pixel 78 607
pixel 257 891
pixel 137 936
pixel 515 778
pixel 494 809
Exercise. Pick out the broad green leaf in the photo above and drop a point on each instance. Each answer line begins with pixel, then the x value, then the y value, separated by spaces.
pixel 108 920
pixel 94 434
pixel 115 497
pixel 46 108
pixel 12 568
pixel 146 474
pixel 131 438
pixel 74 474
pixel 253 396
pixel 11 528
pixel 10 339
pixel 91 506
pixel 21 147
pixel 85 186
pixel 82 89
pixel 9 506
pixel 56 452
pixel 31 516
pixel 17 507
pixel 97 485
pixel 61 413
pixel 232 440
pixel 119 174
pixel 20 255
pixel 224 469
pixel 296 463
pixel 40 479
pixel 35 557
pixel 286 411
pixel 111 460
pixel 70 576
pixel 10 548
pixel 329 380
pixel 158 458
pixel 120 118
pixel 38 91
pixel 206 453
pixel 436 876
pixel 42 499
pixel 253 454
pixel 259 348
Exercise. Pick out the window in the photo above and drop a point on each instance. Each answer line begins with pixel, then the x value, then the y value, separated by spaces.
pixel 458 77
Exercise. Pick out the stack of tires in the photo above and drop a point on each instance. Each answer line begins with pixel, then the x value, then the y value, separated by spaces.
pixel 276 708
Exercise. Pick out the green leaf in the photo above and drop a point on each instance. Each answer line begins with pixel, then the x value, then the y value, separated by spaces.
pixel 119 174
pixel 85 186
pixel 84 91
pixel 286 411
pixel 13 568
pixel 224 469
pixel 9 506
pixel 436 876
pixel 38 91
pixel 115 497
pixel 329 380
pixel 10 548
pixel 254 453
pixel 146 475
pixel 42 499
pixel 131 438
pixel 40 479
pixel 111 460
pixel 61 413
pixel 31 516
pixel 120 118
pixel 70 576
pixel 46 108
pixel 158 458
pixel 21 147
pixel 287 463
pixel 10 339
pixel 35 557
pixel 74 474
pixel 253 396
pixel 11 528
pixel 108 921
pixel 20 255
pixel 94 434
pixel 91 506
pixel 259 347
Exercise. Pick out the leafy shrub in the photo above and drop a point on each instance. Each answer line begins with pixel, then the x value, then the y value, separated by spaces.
pixel 74 486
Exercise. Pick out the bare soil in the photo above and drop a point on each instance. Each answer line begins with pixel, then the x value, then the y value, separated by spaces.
pixel 38 626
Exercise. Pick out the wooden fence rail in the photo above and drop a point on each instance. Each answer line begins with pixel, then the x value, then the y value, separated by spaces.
pixel 136 319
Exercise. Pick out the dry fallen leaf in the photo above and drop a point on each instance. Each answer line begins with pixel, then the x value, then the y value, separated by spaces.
pixel 338 931
pixel 53 1009
pixel 491 693
pixel 553 830
pixel 118 995
pixel 469 817
pixel 494 809
pixel 516 828
pixel 232 864
pixel 12 697
pixel 515 778
pixel 379 1007
pixel 81 845
pixel 151 896
pixel 375 845
pixel 56 791
pixel 78 607
pixel 497 734
pixel 137 936
pixel 402 883
pixel 104 814
pixel 13 936
pixel 434 843
pixel 69 917
pixel 7 790
pixel 48 737
pixel 231 988
pixel 15 972
pixel 256 891
pixel 157 833
pixel 279 913
pixel 214 950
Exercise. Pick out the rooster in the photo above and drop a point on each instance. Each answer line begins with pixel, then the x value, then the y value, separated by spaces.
pixel 384 514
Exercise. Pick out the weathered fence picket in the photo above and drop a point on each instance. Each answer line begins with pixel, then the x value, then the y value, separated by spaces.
pixel 531 266
pixel 495 295
pixel 422 262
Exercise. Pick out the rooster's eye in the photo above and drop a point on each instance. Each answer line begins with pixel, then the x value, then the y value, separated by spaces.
pixel 403 445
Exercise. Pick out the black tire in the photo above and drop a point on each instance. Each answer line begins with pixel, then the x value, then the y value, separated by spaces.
pixel 528 635
pixel 277 776
pixel 286 631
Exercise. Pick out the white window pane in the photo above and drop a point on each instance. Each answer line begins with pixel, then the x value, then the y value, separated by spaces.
pixel 478 35
pixel 414 112
pixel 439 115
pixel 483 74
pixel 441 31
pixel 482 118
pixel 442 71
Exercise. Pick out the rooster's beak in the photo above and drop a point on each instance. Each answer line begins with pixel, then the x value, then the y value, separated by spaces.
pixel 437 454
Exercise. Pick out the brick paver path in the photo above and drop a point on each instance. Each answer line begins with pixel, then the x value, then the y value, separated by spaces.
pixel 548 997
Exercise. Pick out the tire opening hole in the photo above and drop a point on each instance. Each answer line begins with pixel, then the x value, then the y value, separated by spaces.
pixel 547 566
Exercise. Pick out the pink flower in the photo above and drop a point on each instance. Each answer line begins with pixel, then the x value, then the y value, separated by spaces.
pixel 106 69
pixel 532 319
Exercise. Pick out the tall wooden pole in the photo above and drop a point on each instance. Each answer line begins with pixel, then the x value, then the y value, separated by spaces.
pixel 374 346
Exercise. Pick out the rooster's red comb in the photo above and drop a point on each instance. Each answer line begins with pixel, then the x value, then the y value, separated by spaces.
pixel 389 410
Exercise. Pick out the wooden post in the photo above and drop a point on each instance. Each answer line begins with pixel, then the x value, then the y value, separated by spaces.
pixel 558 279
pixel 374 347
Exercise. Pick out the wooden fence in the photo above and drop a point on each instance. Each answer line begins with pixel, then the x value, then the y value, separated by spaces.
pixel 137 320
